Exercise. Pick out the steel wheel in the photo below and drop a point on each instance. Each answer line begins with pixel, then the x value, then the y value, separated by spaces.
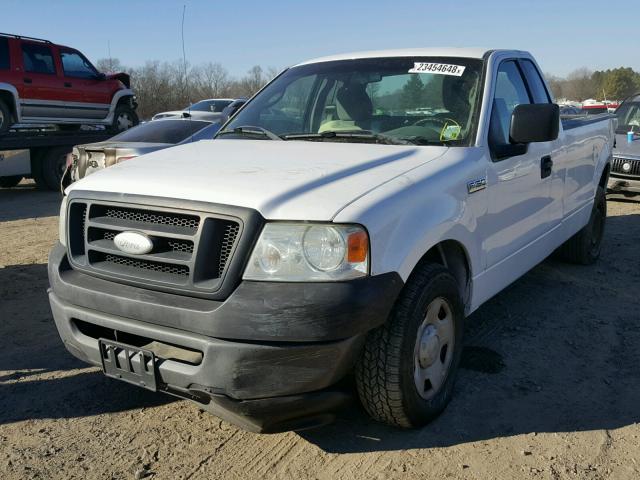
pixel 124 121
pixel 434 348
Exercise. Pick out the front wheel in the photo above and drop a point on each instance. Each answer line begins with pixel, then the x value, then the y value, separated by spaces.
pixel 407 370
pixel 124 118
pixel 585 246
pixel 5 117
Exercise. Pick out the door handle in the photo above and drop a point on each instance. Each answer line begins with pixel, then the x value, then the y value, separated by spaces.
pixel 27 80
pixel 68 84
pixel 546 166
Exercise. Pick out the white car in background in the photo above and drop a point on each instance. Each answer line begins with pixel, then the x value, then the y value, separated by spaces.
pixel 210 109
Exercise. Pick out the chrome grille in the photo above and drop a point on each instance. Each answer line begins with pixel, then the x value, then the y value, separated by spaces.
pixel 617 167
pixel 191 250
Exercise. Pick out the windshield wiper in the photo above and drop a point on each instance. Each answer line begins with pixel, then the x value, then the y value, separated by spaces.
pixel 251 130
pixel 359 134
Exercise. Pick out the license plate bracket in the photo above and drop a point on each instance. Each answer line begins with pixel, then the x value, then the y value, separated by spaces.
pixel 127 363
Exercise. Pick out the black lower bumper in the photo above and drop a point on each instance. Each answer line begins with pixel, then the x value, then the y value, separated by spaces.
pixel 267 358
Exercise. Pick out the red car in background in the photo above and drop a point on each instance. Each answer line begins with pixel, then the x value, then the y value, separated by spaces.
pixel 45 83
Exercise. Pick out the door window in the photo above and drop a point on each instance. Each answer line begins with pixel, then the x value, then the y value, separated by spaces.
pixel 510 92
pixel 536 85
pixel 38 59
pixel 75 65
pixel 4 53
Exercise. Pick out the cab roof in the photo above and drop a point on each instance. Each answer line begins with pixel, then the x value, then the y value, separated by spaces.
pixel 406 52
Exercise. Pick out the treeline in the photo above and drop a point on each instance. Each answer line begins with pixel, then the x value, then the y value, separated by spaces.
pixel 581 84
pixel 162 86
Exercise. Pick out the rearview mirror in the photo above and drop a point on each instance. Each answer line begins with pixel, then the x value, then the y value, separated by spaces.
pixel 535 123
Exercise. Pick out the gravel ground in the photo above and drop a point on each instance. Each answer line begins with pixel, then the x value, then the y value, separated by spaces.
pixel 550 387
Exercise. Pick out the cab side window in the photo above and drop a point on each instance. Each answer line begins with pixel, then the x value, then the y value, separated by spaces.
pixel 38 59
pixel 536 85
pixel 509 93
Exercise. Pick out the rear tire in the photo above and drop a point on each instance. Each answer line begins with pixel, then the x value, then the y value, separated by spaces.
pixel 52 164
pixel 10 182
pixel 407 370
pixel 585 246
pixel 124 118
pixel 5 117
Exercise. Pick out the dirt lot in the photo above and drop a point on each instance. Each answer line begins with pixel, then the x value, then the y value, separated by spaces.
pixel 550 387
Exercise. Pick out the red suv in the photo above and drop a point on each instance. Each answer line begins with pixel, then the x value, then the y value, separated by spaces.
pixel 41 82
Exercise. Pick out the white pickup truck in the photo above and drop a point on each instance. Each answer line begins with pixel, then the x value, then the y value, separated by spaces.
pixel 346 219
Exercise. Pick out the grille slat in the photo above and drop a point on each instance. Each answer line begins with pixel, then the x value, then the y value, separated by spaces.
pixel 190 251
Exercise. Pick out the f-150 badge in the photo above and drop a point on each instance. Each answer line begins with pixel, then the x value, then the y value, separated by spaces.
pixel 477 185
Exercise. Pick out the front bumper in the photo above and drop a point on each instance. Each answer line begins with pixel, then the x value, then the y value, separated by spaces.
pixel 270 354
pixel 625 186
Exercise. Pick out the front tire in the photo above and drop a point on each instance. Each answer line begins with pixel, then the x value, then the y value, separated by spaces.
pixel 407 370
pixel 5 117
pixel 585 246
pixel 124 118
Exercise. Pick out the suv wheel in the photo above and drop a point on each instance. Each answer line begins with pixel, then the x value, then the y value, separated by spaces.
pixel 407 370
pixel 5 117
pixel 124 118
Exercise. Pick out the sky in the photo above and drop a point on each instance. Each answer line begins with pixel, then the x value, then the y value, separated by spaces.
pixel 563 35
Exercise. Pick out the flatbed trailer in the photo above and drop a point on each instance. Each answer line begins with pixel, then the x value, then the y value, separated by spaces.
pixel 40 153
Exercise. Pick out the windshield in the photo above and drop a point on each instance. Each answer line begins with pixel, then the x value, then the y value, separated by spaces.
pixel 161 131
pixel 628 115
pixel 215 106
pixel 423 100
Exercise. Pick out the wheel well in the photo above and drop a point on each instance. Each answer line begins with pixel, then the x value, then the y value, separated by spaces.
pixel 125 99
pixel 604 178
pixel 452 255
pixel 10 101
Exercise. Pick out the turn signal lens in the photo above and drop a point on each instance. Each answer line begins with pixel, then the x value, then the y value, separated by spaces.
pixel 357 247
pixel 122 159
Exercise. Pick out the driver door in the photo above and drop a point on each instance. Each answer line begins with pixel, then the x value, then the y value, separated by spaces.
pixel 89 93
pixel 519 198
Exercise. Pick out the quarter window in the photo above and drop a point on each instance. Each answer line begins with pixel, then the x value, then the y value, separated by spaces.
pixel 37 58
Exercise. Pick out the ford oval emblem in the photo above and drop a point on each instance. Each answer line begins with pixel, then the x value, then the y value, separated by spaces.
pixel 133 242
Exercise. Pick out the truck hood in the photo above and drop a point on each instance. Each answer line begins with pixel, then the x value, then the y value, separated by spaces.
pixel 288 180
pixel 123 77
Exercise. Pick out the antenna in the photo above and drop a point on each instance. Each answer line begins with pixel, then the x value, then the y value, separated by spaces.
pixel 110 59
pixel 184 63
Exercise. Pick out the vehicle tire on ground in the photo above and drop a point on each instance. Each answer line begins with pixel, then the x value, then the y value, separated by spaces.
pixel 53 164
pixel 124 118
pixel 10 182
pixel 585 246
pixel 5 117
pixel 407 370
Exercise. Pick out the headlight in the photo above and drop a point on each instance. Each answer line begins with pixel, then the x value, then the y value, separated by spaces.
pixel 294 252
pixel 62 222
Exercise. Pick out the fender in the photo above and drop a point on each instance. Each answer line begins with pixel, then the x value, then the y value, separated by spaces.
pixel 7 87
pixel 411 214
pixel 126 92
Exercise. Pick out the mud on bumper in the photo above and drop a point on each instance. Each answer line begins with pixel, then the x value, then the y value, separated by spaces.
pixel 268 358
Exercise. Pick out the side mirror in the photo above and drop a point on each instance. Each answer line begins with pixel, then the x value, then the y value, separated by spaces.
pixel 535 123
pixel 101 76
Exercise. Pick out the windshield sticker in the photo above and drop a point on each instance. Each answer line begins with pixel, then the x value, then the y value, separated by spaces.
pixel 437 68
pixel 450 132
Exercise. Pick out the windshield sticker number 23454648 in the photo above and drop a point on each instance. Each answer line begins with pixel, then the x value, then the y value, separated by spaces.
pixel 437 68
